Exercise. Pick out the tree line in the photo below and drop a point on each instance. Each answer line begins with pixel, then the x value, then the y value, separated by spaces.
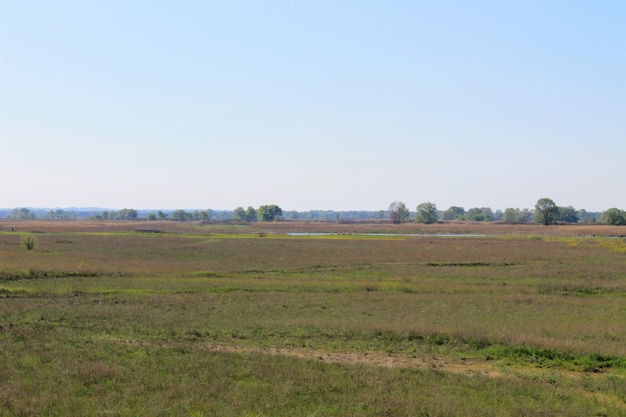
pixel 545 211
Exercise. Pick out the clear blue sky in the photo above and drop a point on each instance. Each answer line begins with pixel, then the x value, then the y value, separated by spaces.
pixel 342 105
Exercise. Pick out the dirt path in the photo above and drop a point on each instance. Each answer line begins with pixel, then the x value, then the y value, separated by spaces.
pixel 458 366
pixel 492 369
pixel 468 367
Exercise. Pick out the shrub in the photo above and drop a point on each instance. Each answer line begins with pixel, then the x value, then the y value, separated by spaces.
pixel 29 241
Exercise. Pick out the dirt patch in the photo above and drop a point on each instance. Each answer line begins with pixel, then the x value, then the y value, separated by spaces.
pixel 467 367
pixel 470 367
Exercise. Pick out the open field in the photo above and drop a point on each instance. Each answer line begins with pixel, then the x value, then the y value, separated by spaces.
pixel 166 318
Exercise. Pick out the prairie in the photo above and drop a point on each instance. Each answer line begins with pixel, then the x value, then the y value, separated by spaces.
pixel 164 318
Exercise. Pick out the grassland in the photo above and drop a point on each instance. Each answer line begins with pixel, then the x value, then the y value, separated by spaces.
pixel 164 318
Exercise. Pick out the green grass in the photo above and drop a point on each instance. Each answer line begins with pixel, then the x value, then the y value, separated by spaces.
pixel 127 323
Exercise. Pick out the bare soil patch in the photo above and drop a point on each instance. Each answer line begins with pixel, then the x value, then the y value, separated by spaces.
pixel 468 367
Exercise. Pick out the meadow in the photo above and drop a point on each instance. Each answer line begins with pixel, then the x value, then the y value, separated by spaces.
pixel 170 319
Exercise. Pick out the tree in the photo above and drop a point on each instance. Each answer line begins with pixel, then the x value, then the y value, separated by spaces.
pixel 588 217
pixel 269 213
pixel 21 214
pixel 126 214
pixel 151 217
pixel 161 215
pixel 614 216
pixel 510 215
pixel 479 214
pixel 398 212
pixel 181 215
pixel 515 215
pixel 453 213
pixel 427 213
pixel 251 214
pixel 204 215
pixel 239 214
pixel 568 215
pixel 57 214
pixel 546 211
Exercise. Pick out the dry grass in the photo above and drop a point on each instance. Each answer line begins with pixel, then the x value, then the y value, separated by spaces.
pixel 195 227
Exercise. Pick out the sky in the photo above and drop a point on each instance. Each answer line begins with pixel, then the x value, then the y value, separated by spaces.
pixel 325 105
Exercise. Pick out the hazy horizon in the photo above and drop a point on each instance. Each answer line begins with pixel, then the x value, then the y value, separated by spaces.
pixel 312 105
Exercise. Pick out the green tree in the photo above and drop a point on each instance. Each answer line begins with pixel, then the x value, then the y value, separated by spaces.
pixel 251 214
pixel 126 214
pixel 57 214
pixel 181 215
pixel 239 214
pixel 151 217
pixel 546 211
pixel 479 214
pixel 398 212
pixel 588 217
pixel 269 213
pixel 427 213
pixel 161 215
pixel 204 215
pixel 614 216
pixel 568 215
pixel 515 215
pixel 511 215
pixel 21 214
pixel 453 213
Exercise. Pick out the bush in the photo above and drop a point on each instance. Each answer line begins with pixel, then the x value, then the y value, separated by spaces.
pixel 29 241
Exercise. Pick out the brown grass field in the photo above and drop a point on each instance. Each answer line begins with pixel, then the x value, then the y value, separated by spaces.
pixel 486 228
pixel 166 318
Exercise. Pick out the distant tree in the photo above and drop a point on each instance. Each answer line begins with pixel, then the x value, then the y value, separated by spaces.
pixel 151 217
pixel 546 211
pixel 251 214
pixel 291 215
pixel 57 214
pixel 453 213
pixel 269 213
pixel 526 215
pixel 568 215
pixel 427 213
pixel 479 214
pixel 398 212
pixel 204 215
pixel 181 215
pixel 21 214
pixel 588 217
pixel 239 214
pixel 515 215
pixel 126 214
pixel 614 216
pixel 161 215
pixel 510 215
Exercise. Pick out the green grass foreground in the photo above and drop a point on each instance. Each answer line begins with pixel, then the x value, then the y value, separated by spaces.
pixel 210 323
